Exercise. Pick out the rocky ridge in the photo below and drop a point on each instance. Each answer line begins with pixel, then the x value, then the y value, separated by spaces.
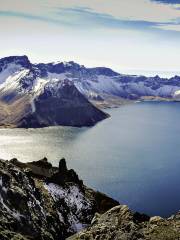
pixel 39 201
pixel 19 75
pixel 120 223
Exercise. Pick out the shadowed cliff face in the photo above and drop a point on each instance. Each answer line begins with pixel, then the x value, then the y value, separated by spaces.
pixel 66 106
pixel 39 201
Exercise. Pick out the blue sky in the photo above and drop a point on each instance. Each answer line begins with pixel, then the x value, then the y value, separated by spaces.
pixel 168 1
pixel 127 35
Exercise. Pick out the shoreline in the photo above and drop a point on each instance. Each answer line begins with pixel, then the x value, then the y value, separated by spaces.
pixel 116 103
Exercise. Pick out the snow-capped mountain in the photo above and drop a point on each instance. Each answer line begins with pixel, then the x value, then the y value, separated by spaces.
pixel 33 97
pixel 60 86
pixel 17 74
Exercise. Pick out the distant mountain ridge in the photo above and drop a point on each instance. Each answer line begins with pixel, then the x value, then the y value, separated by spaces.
pixel 62 93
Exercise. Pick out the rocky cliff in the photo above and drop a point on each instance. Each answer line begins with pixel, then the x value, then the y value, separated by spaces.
pixel 42 202
pixel 39 201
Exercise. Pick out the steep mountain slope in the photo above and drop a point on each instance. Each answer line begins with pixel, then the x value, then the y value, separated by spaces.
pixel 38 201
pixel 29 100
pixel 65 105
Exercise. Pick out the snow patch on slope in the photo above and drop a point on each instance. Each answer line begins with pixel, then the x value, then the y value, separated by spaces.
pixel 72 195
pixel 38 85
pixel 141 89
pixel 33 106
pixel 103 84
pixel 11 70
pixel 56 77
pixel 177 93
pixel 75 201
pixel 12 81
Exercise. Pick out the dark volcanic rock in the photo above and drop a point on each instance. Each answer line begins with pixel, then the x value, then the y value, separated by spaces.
pixel 64 176
pixel 43 163
pixel 66 106
pixel 20 60
pixel 62 166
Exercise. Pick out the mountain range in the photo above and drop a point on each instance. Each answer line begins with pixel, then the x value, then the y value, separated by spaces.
pixel 66 93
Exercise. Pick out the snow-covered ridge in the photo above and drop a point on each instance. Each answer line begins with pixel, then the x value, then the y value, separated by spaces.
pixel 17 73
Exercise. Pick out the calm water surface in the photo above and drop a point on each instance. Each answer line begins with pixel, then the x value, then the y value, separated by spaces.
pixel 134 156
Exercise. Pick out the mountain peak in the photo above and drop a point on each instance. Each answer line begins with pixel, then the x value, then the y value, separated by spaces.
pixel 104 71
pixel 20 60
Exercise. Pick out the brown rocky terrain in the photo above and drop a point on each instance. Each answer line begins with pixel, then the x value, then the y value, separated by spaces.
pixel 120 223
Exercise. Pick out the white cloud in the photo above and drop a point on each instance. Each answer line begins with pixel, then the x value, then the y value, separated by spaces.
pixel 170 27
pixel 129 9
pixel 116 48
pixel 144 10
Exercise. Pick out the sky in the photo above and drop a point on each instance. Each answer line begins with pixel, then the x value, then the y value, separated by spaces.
pixel 130 36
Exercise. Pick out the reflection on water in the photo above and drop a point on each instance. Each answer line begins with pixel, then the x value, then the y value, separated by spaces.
pixel 134 156
pixel 33 144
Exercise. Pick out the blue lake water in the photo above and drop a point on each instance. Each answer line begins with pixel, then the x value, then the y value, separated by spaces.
pixel 134 156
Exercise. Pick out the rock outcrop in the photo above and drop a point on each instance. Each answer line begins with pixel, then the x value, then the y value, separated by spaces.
pixel 120 223
pixel 63 175
pixel 42 202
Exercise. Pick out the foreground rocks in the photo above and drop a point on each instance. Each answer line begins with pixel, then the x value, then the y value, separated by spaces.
pixel 39 201
pixel 120 223
pixel 42 202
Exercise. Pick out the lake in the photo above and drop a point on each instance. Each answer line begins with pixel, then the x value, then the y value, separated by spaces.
pixel 134 156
